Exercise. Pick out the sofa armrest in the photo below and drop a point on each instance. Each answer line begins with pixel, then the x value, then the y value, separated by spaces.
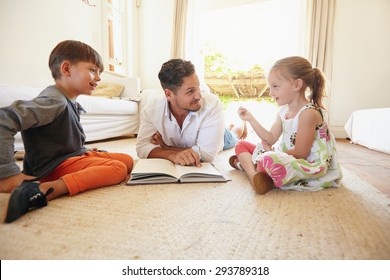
pixel 10 93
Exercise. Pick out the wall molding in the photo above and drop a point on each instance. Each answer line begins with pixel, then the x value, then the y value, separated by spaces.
pixel 338 131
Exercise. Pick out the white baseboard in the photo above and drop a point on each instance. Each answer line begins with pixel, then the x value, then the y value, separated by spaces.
pixel 338 131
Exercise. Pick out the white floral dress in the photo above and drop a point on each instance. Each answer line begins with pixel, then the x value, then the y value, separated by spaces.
pixel 320 169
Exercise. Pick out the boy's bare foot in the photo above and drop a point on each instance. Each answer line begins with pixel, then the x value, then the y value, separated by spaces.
pixel 261 182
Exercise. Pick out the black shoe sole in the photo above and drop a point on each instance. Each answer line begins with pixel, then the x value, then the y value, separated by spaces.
pixel 10 208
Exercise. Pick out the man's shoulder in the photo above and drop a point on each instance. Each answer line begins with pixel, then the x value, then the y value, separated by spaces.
pixel 211 101
pixel 155 101
pixel 155 105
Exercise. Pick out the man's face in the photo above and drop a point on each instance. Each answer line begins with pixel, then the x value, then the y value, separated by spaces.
pixel 187 96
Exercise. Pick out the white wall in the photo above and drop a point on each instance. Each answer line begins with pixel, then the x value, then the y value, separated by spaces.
pixel 31 29
pixel 361 67
pixel 361 54
pixel 155 39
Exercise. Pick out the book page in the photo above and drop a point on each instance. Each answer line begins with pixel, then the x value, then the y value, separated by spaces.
pixel 206 170
pixel 152 166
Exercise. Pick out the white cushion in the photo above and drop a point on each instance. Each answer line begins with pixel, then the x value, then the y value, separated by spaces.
pixel 106 106
pixel 10 93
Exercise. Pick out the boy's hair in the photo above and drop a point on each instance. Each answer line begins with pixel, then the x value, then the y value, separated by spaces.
pixel 72 51
pixel 173 71
pixel 296 67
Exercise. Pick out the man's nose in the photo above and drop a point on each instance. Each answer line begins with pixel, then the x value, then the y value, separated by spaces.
pixel 198 94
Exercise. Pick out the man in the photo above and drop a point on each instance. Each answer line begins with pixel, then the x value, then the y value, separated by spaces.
pixel 186 126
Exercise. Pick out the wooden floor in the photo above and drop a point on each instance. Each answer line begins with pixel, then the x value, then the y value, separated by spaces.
pixel 372 166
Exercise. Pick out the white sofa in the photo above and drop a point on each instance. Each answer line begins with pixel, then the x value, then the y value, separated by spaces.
pixel 105 117
pixel 370 128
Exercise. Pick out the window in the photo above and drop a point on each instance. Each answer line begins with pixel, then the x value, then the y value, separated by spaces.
pixel 115 42
pixel 237 41
pixel 233 43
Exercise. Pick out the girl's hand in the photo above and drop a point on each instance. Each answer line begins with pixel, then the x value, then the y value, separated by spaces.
pixel 244 114
pixel 266 146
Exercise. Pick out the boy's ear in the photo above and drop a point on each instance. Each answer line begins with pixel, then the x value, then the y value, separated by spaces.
pixel 65 68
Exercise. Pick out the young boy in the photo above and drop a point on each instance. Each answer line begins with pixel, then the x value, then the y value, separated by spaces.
pixel 56 162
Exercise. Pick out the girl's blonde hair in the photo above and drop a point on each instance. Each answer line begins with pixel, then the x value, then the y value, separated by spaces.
pixel 296 67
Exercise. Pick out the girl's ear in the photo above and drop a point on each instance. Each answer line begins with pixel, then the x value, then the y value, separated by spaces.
pixel 65 68
pixel 298 83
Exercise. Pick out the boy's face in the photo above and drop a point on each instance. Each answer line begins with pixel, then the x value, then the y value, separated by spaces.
pixel 83 77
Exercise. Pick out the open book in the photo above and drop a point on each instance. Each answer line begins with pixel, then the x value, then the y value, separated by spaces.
pixel 163 171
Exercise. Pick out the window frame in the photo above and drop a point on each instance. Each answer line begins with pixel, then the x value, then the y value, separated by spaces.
pixel 115 56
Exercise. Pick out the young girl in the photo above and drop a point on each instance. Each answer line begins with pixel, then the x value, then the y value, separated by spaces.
pixel 306 158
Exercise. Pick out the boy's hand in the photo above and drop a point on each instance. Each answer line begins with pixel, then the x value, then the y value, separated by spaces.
pixel 8 184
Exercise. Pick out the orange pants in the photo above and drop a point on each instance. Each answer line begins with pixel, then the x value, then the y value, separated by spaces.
pixel 91 170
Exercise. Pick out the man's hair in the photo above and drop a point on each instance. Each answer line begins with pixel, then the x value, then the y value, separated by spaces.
pixel 72 51
pixel 173 71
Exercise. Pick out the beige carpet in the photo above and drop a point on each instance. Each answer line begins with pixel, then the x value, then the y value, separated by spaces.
pixel 204 221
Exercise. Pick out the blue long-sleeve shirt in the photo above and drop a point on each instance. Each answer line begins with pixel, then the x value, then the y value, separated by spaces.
pixel 51 132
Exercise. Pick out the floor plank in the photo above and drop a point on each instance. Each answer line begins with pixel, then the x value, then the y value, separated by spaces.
pixel 370 165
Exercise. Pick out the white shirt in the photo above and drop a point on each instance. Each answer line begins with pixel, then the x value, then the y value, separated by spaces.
pixel 202 130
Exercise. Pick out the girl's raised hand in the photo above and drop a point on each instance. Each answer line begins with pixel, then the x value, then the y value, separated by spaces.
pixel 244 114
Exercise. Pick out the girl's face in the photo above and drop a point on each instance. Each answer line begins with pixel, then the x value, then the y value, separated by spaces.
pixel 84 78
pixel 281 89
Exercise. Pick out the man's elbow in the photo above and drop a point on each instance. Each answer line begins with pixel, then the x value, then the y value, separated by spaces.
pixel 141 152
pixel 206 157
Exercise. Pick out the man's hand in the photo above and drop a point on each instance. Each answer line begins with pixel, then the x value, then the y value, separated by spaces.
pixel 8 184
pixel 157 140
pixel 186 157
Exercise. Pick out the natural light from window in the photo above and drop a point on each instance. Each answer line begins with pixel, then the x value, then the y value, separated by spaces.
pixel 246 39
pixel 257 33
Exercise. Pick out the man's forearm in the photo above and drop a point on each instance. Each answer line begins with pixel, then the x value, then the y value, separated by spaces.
pixel 183 157
pixel 175 149
pixel 163 153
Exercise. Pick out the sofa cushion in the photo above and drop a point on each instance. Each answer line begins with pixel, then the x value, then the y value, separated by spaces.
pixel 10 93
pixel 105 106
pixel 109 90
